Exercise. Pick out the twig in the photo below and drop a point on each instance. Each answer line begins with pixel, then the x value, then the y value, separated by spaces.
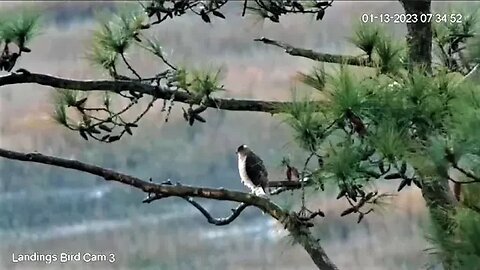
pixel 283 186
pixel 164 60
pixel 356 207
pixel 155 197
pixel 462 182
pixel 167 62
pixel 129 66
pixel 321 57
pixel 218 221
pixel 244 7
pixel 470 73
pixel 466 173
pixel 139 117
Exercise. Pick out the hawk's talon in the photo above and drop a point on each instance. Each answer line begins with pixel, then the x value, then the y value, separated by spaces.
pixel 168 182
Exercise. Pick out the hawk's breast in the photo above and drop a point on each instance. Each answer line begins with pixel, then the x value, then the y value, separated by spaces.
pixel 243 172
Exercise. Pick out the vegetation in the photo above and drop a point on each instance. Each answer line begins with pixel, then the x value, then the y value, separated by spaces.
pixel 408 117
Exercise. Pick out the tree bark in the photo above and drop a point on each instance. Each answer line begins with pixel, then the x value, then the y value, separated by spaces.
pixel 313 247
pixel 442 206
pixel 436 192
pixel 419 35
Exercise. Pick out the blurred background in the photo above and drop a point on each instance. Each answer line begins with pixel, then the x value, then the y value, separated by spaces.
pixel 51 210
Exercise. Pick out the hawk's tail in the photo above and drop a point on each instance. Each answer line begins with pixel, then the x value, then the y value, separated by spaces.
pixel 260 192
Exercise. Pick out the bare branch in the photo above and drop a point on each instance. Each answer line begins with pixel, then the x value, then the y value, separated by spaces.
pixel 449 155
pixel 218 221
pixel 292 224
pixel 462 182
pixel 468 174
pixel 472 207
pixel 355 208
pixel 155 197
pixel 130 66
pixel 287 184
pixel 215 221
pixel 282 186
pixel 149 187
pixel 321 57
pixel 245 2
pixel 142 88
pixel 470 73
pixel 279 190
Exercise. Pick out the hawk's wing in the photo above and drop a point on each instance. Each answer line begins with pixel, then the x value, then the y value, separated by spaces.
pixel 256 170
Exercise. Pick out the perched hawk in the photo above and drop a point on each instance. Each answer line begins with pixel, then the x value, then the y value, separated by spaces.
pixel 252 171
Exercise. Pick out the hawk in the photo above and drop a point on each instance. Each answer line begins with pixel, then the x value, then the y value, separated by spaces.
pixel 252 171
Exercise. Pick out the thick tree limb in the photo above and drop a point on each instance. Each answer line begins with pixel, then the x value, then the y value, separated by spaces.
pixel 149 187
pixel 298 229
pixel 313 247
pixel 321 57
pixel 142 88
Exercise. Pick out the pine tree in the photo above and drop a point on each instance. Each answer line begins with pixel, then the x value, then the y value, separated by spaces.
pixel 401 114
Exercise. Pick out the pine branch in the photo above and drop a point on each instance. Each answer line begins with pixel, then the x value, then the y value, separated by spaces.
pixel 321 57
pixel 119 86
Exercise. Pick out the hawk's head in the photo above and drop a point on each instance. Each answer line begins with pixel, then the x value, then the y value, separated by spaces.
pixel 242 149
